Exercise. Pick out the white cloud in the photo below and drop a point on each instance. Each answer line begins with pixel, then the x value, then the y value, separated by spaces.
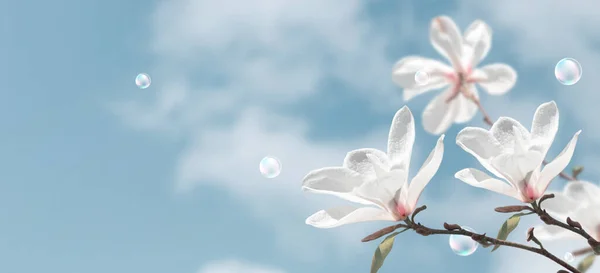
pixel 235 266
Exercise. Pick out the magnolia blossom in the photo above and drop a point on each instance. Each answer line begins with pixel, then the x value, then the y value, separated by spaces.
pixel 579 200
pixel 464 52
pixel 375 179
pixel 515 155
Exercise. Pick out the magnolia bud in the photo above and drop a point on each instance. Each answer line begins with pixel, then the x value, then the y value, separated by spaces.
pixel 451 226
pixel 573 223
pixel 509 209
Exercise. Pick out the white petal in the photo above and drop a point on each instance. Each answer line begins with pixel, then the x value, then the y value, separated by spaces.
pixel 439 114
pixel 583 191
pixel 337 181
pixel 403 74
pixel 516 167
pixel 549 233
pixel 401 139
pixel 510 133
pixel 589 218
pixel 381 190
pixel 544 127
pixel 478 36
pixel 482 180
pixel 480 144
pixel 561 204
pixel 336 217
pixel 552 169
pixel 446 39
pixel 426 173
pixel 364 161
pixel 496 79
pixel 466 109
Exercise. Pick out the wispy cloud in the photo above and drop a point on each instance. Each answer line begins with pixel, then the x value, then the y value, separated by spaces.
pixel 236 266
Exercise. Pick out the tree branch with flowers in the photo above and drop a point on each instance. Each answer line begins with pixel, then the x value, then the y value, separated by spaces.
pixel 513 155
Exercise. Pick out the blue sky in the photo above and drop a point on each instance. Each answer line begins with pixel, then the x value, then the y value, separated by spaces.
pixel 100 176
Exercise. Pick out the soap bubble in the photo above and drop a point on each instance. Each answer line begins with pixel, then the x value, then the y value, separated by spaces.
pixel 463 245
pixel 421 77
pixel 568 71
pixel 143 81
pixel 569 257
pixel 270 167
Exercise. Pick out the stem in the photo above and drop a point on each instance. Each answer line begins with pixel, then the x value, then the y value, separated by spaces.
pixel 549 220
pixel 425 231
pixel 480 238
pixel 582 251
pixel 488 120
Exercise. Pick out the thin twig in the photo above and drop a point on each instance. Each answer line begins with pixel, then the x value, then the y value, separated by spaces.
pixel 453 229
pixel 482 238
pixel 571 225
pixel 488 120
pixel 582 251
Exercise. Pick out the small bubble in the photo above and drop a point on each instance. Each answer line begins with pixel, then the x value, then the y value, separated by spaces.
pixel 270 167
pixel 143 81
pixel 421 77
pixel 463 245
pixel 568 71
pixel 569 257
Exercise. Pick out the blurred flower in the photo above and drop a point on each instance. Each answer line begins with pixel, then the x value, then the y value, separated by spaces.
pixel 464 52
pixel 579 200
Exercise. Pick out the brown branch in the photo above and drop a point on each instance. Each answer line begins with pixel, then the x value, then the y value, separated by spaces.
pixel 488 120
pixel 384 231
pixel 453 229
pixel 570 225
pixel 483 239
pixel 582 251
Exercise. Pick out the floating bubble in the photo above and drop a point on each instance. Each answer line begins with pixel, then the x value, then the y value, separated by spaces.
pixel 270 167
pixel 421 77
pixel 569 258
pixel 143 81
pixel 568 71
pixel 463 245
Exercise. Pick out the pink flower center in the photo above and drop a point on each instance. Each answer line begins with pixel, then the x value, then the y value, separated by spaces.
pixel 460 80
pixel 529 193
pixel 402 212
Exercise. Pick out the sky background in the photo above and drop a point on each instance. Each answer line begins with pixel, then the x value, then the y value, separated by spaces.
pixel 100 176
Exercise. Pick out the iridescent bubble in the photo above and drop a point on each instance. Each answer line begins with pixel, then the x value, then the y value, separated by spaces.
pixel 463 245
pixel 270 167
pixel 421 77
pixel 143 81
pixel 568 71
pixel 569 258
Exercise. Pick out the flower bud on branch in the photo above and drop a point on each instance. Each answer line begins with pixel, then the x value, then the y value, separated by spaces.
pixel 417 210
pixel 545 197
pixel 509 209
pixel 576 171
pixel 451 226
pixel 384 231
pixel 531 237
pixel 574 224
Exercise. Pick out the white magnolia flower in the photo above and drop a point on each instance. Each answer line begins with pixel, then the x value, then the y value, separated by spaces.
pixel 579 200
pixel 515 155
pixel 373 177
pixel 464 52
